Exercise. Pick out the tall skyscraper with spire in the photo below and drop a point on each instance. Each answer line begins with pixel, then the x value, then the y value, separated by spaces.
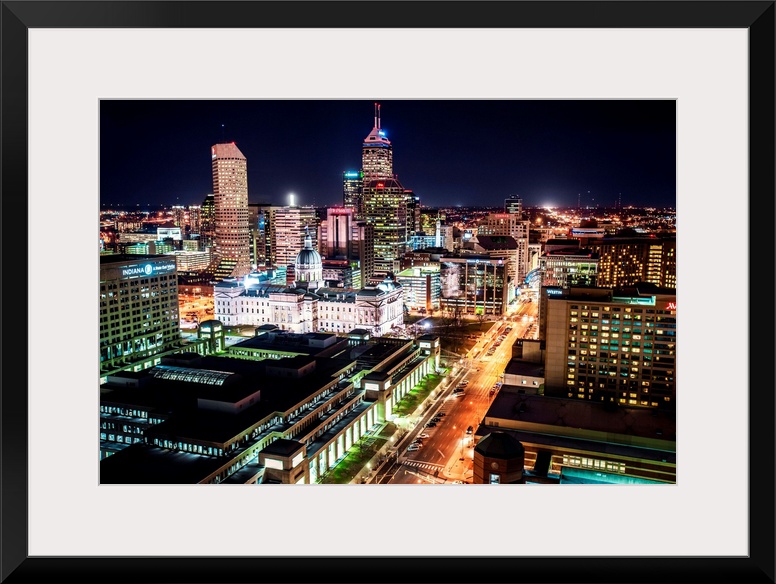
pixel 377 153
pixel 384 200
pixel 230 191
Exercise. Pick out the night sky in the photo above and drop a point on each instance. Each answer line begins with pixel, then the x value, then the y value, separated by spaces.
pixel 449 152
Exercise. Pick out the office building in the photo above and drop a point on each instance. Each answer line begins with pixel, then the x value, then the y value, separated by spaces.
pixel 341 274
pixel 514 226
pixel 195 214
pixel 342 239
pixel 500 247
pixel 258 222
pixel 473 284
pixel 625 261
pixel 386 209
pixel 352 182
pixel 567 267
pixel 191 261
pixel 230 192
pixel 363 250
pixel 376 153
pixel 138 310
pixel 385 201
pixel 180 217
pixel 289 226
pixel 611 346
pixel 422 287
pixel 207 221
pixel 336 233
pixel 278 409
pixel 514 205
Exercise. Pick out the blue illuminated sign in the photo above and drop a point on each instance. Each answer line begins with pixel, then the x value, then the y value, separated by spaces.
pixel 148 269
pixel 352 174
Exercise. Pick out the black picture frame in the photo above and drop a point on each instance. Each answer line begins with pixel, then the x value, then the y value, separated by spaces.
pixel 19 16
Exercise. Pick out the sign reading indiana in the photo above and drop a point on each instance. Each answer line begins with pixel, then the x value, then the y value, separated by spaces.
pixel 148 270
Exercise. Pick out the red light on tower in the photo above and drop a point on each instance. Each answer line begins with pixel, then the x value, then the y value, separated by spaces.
pixel 380 185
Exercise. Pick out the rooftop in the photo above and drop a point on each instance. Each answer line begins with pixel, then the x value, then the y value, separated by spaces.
pixel 525 368
pixel 143 464
pixel 496 242
pixel 556 412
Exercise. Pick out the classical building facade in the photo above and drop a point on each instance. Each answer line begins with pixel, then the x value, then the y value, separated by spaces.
pixel 308 305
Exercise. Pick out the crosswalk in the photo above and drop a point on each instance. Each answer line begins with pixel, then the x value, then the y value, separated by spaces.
pixel 427 466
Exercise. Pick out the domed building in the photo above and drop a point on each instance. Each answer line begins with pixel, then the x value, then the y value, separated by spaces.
pixel 499 458
pixel 308 268
pixel 308 305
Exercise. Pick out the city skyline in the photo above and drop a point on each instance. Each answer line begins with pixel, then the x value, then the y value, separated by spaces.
pixel 594 153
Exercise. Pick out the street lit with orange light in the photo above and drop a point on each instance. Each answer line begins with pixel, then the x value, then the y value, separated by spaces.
pixel 446 455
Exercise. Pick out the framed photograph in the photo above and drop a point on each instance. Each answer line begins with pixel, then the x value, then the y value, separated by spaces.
pixel 61 59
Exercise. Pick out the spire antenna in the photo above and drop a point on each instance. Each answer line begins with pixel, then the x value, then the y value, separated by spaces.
pixel 378 116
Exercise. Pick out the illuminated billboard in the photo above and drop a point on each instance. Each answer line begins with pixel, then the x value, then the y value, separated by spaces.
pixel 148 270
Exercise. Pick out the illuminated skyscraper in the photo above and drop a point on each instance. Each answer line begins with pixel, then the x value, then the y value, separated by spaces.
pixel 385 207
pixel 512 225
pixel 230 189
pixel 377 153
pixel 384 200
pixel 207 221
pixel 514 204
pixel 352 182
pixel 336 233
pixel 288 228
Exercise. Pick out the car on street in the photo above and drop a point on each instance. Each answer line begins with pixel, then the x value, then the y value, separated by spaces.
pixel 413 447
pixel 430 424
pixel 423 435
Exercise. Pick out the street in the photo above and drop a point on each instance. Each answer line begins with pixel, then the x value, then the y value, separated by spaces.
pixel 446 455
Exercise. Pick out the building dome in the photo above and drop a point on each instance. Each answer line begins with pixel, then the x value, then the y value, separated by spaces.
pixel 308 270
pixel 308 257
pixel 500 445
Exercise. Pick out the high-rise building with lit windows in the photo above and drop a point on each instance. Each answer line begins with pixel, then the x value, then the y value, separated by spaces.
pixel 258 219
pixel 207 221
pixel 627 260
pixel 610 345
pixel 336 233
pixel 513 225
pixel 384 200
pixel 385 207
pixel 138 310
pixel 352 183
pixel 514 205
pixel 377 153
pixel 230 190
pixel 194 219
pixel 288 228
